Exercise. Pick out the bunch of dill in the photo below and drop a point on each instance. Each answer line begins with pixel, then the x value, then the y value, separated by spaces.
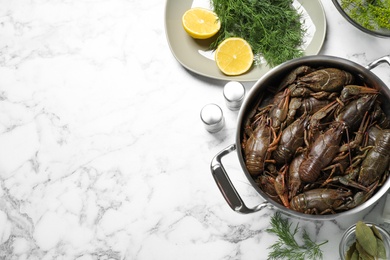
pixel 287 247
pixel 273 28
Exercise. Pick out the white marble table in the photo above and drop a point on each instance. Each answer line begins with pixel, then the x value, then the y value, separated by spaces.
pixel 102 152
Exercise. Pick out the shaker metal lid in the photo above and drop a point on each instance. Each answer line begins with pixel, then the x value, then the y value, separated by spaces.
pixel 234 93
pixel 212 117
pixel 211 114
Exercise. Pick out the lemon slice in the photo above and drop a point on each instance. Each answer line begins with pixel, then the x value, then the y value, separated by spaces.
pixel 234 56
pixel 200 23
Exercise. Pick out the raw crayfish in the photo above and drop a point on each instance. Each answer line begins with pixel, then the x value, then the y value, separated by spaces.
pixel 321 144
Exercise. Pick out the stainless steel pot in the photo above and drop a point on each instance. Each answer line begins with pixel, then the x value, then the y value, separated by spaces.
pixel 272 78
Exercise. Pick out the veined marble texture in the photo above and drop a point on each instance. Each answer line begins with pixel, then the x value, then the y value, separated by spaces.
pixel 102 151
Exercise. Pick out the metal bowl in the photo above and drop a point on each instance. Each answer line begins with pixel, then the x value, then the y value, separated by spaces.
pixel 380 32
pixel 270 79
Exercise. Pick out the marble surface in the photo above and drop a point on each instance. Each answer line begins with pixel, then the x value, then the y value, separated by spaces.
pixel 102 151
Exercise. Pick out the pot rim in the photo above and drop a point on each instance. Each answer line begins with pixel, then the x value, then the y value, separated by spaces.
pixel 284 68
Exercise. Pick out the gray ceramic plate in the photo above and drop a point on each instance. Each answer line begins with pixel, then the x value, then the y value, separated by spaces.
pixel 188 50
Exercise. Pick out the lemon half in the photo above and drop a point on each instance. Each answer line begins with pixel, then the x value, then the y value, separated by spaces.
pixel 200 23
pixel 234 56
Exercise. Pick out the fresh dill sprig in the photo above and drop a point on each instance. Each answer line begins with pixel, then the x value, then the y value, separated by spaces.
pixel 273 28
pixel 287 247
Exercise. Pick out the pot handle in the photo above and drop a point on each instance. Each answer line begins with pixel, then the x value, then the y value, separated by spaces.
pixel 226 187
pixel 375 63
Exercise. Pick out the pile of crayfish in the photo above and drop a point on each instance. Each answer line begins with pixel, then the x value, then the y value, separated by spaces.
pixel 320 143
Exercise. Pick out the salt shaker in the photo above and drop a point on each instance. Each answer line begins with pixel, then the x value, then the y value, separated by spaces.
pixel 212 118
pixel 234 93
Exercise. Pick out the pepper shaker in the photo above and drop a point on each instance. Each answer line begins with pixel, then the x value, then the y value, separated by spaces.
pixel 212 118
pixel 234 93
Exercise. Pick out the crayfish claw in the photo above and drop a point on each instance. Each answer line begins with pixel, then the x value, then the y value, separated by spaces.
pixel 281 186
pixel 355 90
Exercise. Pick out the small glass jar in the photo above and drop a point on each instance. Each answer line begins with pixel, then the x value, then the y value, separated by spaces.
pixel 386 209
pixel 349 238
